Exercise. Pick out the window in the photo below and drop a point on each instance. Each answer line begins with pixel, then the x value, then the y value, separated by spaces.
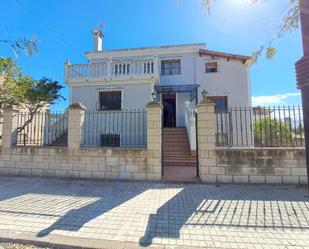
pixel 110 100
pixel 111 140
pixel 211 67
pixel 220 102
pixel 170 67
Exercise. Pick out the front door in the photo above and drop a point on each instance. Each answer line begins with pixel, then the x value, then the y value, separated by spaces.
pixel 169 109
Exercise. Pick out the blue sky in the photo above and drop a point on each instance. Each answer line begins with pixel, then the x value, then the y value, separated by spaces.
pixel 63 28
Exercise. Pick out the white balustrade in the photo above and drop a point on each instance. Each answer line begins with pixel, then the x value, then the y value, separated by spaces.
pixel 190 123
pixel 85 71
pixel 110 70
pixel 133 68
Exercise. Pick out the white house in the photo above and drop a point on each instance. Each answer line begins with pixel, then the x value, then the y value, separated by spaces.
pixel 126 78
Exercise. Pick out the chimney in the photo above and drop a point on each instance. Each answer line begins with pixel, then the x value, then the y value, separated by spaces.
pixel 97 40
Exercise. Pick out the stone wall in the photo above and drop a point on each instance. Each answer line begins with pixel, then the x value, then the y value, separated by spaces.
pixel 255 165
pixel 230 165
pixel 245 165
pixel 101 163
pixel 80 162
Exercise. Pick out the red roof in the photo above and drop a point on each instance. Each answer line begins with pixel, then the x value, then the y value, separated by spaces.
pixel 203 52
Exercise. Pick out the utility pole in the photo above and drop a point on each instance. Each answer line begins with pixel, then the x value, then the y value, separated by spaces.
pixel 302 74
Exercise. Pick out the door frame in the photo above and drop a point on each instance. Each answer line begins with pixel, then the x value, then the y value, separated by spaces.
pixel 176 106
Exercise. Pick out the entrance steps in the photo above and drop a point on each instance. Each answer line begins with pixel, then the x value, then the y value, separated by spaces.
pixel 179 163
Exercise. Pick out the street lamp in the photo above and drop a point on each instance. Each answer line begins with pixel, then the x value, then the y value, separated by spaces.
pixel 154 96
pixel 204 95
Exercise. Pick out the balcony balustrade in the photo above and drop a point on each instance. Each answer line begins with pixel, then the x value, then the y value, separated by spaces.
pixel 124 70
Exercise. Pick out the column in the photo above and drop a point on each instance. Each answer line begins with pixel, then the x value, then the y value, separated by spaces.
pixel 206 142
pixel 154 140
pixel 76 120
pixel 9 127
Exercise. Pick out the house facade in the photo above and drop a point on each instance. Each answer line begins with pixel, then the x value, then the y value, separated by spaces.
pixel 123 79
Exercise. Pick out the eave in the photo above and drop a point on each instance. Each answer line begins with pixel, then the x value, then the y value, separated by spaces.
pixel 242 58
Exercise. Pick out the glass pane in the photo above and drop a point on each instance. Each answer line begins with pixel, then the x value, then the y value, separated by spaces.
pixel 110 100
pixel 211 67
pixel 170 67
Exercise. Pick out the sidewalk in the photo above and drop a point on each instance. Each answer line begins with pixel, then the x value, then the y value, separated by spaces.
pixel 116 214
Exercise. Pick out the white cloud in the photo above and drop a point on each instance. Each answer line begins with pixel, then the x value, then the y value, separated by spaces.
pixel 273 99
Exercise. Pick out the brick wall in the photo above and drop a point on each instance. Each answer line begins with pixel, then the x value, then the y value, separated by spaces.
pixel 101 163
pixel 272 165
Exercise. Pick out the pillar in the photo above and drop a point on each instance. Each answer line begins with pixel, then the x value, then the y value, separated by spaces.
pixel 206 141
pixel 9 127
pixel 154 140
pixel 76 114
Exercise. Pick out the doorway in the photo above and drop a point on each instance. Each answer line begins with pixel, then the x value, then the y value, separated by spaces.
pixel 169 109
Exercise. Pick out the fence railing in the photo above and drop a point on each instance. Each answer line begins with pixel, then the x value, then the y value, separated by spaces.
pixel 56 129
pixel 260 126
pixel 44 128
pixel 127 128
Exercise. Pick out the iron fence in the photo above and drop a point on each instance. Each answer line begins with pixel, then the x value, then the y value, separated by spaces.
pixel 127 128
pixel 280 126
pixel 45 128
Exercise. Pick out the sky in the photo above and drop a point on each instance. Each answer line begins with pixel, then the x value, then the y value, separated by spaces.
pixel 63 28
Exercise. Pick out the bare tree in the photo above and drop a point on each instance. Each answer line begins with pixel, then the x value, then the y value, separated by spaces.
pixel 24 44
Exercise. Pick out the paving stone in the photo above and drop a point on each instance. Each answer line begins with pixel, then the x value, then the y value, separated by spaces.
pixel 156 214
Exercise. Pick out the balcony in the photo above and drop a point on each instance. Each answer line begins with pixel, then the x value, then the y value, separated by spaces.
pixel 111 71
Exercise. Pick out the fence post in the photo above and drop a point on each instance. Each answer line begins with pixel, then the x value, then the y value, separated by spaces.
pixel 9 128
pixel 76 117
pixel 206 141
pixel 154 140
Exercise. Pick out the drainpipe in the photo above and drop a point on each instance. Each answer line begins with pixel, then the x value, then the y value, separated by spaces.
pixel 302 73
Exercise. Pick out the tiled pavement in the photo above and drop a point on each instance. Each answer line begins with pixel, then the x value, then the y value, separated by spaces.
pixel 209 216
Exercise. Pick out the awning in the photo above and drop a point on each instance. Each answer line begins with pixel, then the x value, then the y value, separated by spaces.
pixel 178 89
pixel 175 88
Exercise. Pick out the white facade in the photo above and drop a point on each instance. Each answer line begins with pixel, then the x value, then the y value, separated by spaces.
pixel 136 72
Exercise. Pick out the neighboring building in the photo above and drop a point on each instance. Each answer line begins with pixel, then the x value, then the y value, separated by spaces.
pixel 126 78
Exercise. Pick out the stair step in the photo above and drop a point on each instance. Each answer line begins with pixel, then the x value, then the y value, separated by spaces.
pixel 175 139
pixel 174 132
pixel 177 148
pixel 168 145
pixel 176 153
pixel 178 161
pixel 179 165
pixel 178 158
pixel 175 143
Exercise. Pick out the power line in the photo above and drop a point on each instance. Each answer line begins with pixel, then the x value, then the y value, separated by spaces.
pixel 50 29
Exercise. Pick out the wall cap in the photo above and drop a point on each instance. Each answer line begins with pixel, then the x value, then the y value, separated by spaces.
pixel 77 106
pixel 206 103
pixel 258 148
pixel 154 104
pixel 10 108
